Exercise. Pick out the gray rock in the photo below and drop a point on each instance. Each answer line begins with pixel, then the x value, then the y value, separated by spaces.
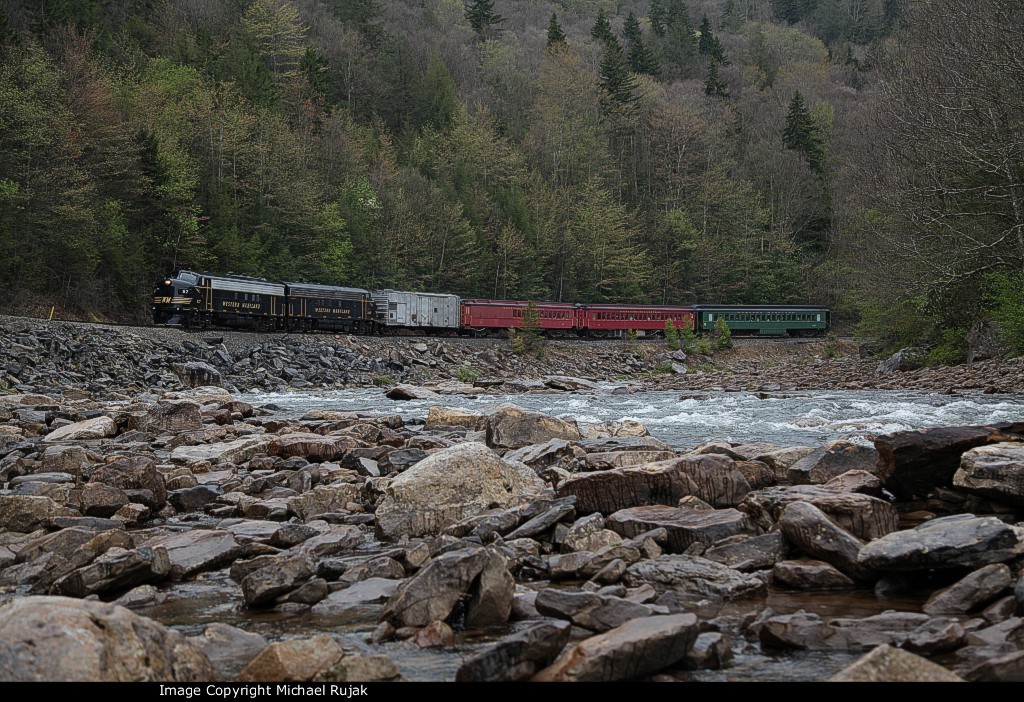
pixel 229 648
pixel 518 656
pixel 971 592
pixel 194 552
pixel 693 578
pixel 356 597
pixel 1005 668
pixel 830 461
pixel 27 513
pixel 196 374
pixel 134 473
pixel 237 451
pixel 115 570
pixel 410 392
pixel 295 660
pixel 175 416
pixel 277 576
pixel 45 639
pixel 863 516
pixel 589 534
pixel 888 664
pixel 449 486
pixel 87 429
pixel 961 540
pixel 750 553
pixel 805 631
pixel 449 417
pixel 807 528
pixel 324 499
pixel 995 471
pixel 193 499
pixel 711 651
pixel 99 500
pixel 684 527
pixel 936 636
pixel 806 574
pixel 557 453
pixel 490 597
pixel 637 648
pixel 514 427
pixel 560 510
pixel 589 610
pixel 907 359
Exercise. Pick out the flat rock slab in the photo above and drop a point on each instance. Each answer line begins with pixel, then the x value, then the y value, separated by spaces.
pixel 684 527
pixel 888 664
pixel 971 592
pixel 238 451
pixel 750 553
pixel 88 429
pixel 995 471
pixel 864 516
pixel 807 528
pixel 692 577
pixel 961 540
pixel 518 656
pixel 830 461
pixel 589 610
pixel 194 552
pixel 806 574
pixel 513 427
pixel 811 632
pixel 637 648
pixel 365 592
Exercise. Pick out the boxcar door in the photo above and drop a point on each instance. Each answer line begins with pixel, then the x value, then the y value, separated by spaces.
pixel 424 303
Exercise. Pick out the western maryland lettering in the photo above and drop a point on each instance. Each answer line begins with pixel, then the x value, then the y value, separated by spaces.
pixel 236 305
pixel 338 312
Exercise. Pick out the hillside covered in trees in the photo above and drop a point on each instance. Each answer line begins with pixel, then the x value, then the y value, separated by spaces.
pixel 865 154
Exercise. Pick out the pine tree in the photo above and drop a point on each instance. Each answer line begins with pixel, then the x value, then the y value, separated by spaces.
pixel 658 17
pixel 631 30
pixel 639 56
pixel 801 134
pixel 482 17
pixel 555 33
pixel 679 45
pixel 731 20
pixel 618 84
pixel 709 45
pixel 602 30
pixel 713 86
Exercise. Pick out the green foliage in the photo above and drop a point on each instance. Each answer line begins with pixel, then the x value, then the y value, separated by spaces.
pixel 950 347
pixel 722 335
pixel 384 381
pixel 632 339
pixel 714 86
pixel 528 338
pixel 831 345
pixel 555 33
pixel 482 17
pixel 1006 294
pixel 640 57
pixel 619 87
pixel 703 346
pixel 602 30
pixel 688 339
pixel 672 335
pixel 468 374
pixel 803 135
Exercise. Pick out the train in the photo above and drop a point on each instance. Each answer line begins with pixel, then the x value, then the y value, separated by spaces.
pixel 203 300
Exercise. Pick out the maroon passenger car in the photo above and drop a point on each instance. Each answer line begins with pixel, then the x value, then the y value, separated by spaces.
pixel 556 318
pixel 647 320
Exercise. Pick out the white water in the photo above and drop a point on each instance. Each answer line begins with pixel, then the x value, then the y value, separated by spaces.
pixel 820 417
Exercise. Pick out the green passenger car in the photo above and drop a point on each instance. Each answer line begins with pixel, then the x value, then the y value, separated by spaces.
pixel 765 320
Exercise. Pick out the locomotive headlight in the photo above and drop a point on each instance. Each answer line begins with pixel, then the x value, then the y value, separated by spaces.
pixel 167 282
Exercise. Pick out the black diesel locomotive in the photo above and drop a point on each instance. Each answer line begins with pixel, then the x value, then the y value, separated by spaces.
pixel 202 300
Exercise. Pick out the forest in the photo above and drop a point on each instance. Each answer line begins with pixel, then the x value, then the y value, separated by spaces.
pixel 864 154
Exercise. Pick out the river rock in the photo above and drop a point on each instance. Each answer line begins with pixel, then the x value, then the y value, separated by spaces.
pixel 613 429
pixel 637 648
pixel 1008 667
pixel 605 460
pixel 313 447
pixel 888 664
pixel 99 500
pixel 193 552
pixel 449 486
pixel 553 453
pixel 807 528
pixel 518 656
pixel 995 471
pixel 807 631
pixel 134 473
pixel 830 461
pixel 193 499
pixel 116 569
pixel 684 527
pixel 174 416
pixel 748 553
pixel 914 463
pixel 936 636
pixel 973 591
pixel 908 359
pixel 568 383
pixel 65 459
pixel 859 481
pixel 692 577
pixel 323 499
pixel 229 648
pixel 960 540
pixel 449 417
pixel 806 574
pixel 357 596
pixel 514 427
pixel 864 516
pixel 589 534
pixel 294 660
pixel 87 429
pixel 443 582
pixel 400 461
pixel 410 392
pixel 237 451
pixel 197 374
pixel 46 639
pixel 559 510
pixel 275 576
pixel 712 478
pixel 589 610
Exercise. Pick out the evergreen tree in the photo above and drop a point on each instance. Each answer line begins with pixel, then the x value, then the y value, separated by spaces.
pixel 602 30
pixel 364 15
pixel 618 84
pixel 713 86
pixel 709 45
pixel 679 45
pixel 631 30
pixel 482 17
pixel 801 134
pixel 658 17
pixel 555 33
pixel 640 57
pixel 731 20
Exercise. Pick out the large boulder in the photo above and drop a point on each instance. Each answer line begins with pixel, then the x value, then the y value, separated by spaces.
pixel 46 639
pixel 87 429
pixel 914 463
pixel 174 416
pixel 831 460
pixel 750 553
pixel 133 473
pixel 116 570
pixel 237 451
pixel 692 578
pixel 684 527
pixel 324 499
pixel 712 478
pixel 957 541
pixel 995 471
pixel 410 392
pixel 906 359
pixel 589 610
pixel 810 530
pixel 294 660
pixel 197 374
pixel 449 417
pixel 514 427
pixel 864 516
pixel 888 664
pixel 449 486
pixel 637 648
pixel 29 512
pixel 971 592
pixel 518 656
pixel 272 576
pixel 193 552
pixel 810 632
pixel 313 447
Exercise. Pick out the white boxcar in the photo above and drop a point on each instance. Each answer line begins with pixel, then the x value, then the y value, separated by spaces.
pixel 396 308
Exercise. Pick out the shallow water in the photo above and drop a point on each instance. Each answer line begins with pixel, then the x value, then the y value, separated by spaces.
pixel 806 419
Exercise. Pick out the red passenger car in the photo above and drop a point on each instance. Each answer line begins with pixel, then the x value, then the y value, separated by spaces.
pixel 556 318
pixel 647 320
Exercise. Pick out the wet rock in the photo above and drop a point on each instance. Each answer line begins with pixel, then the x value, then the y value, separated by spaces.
pixel 684 527
pixel 973 591
pixel 589 610
pixel 888 664
pixel 134 473
pixel 194 552
pixel 810 530
pixel 961 540
pixel 237 451
pixel 913 463
pixel 712 478
pixel 557 453
pixel 324 499
pixel 1008 667
pixel 936 636
pixel 450 417
pixel 175 416
pixel 830 461
pixel 365 669
pixel 863 516
pixel 449 486
pixel 806 574
pixel 433 592
pixel 692 578
pixel 859 481
pixel 1007 634
pixel 400 461
pixel 995 471
pixel 514 427
pixel 518 656
pixel 613 429
pixel 87 429
pixel 336 540
pixel 115 570
pixel 711 651
pixel 61 639
pixel 141 596
pixel 606 460
pixel 807 631
pixel 229 648
pixel 490 598
pixel 411 392
pixel 637 648
pixel 294 660
pixel 357 596
pixel 749 553
pixel 434 635
pixel 99 500
pixel 274 577
pixel 589 534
